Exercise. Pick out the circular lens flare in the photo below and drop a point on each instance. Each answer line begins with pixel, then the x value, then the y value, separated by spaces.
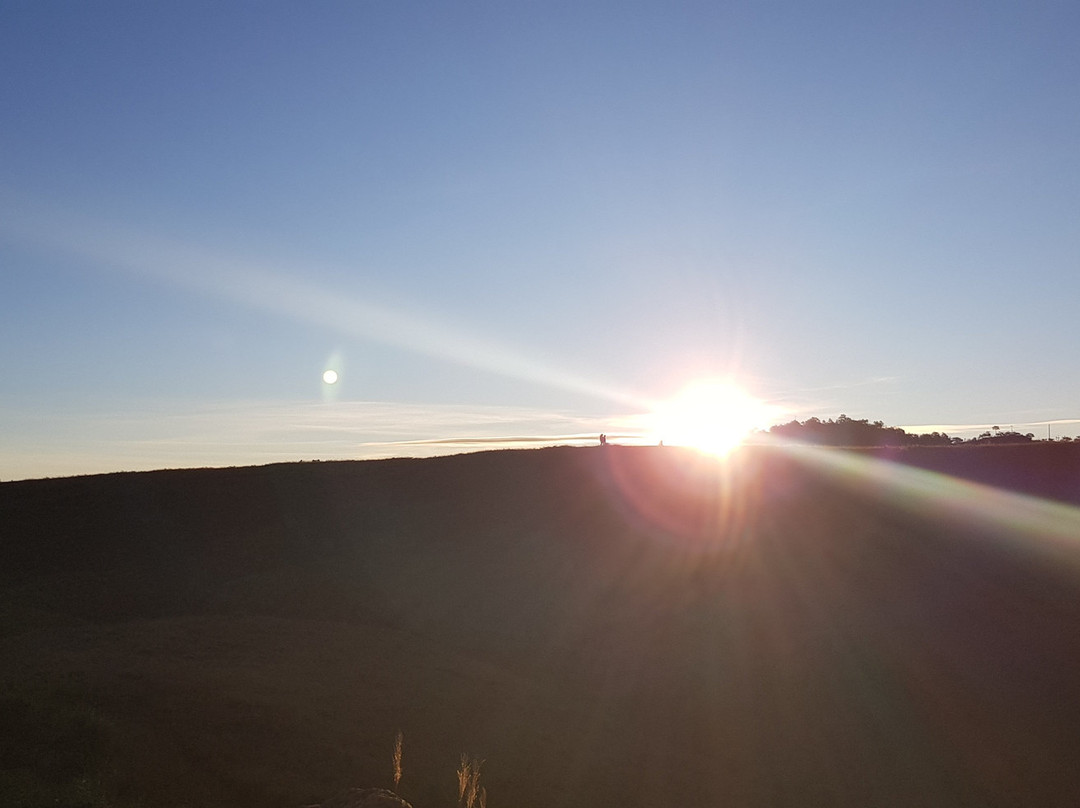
pixel 330 377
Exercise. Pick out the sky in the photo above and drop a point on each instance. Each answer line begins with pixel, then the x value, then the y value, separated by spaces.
pixel 506 223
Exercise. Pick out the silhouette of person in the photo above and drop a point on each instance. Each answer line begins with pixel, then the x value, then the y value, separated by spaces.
pixel 603 440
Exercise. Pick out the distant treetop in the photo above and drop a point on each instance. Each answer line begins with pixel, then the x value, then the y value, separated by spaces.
pixel 845 431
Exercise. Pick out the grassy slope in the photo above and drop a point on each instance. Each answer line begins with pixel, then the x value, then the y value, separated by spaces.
pixel 604 626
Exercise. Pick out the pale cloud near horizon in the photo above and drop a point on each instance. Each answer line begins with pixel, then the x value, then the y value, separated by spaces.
pixel 158 435
pixel 153 435
pixel 1015 426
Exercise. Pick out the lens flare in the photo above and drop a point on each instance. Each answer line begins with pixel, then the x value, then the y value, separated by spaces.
pixel 330 377
pixel 711 415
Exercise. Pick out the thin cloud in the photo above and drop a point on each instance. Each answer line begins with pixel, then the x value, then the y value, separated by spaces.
pixel 498 440
pixel 509 440
pixel 160 435
pixel 950 428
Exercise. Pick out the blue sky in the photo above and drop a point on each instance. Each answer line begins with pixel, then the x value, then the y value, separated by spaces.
pixel 525 219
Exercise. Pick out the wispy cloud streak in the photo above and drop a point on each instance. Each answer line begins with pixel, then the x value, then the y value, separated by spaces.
pixel 1016 426
pixel 251 433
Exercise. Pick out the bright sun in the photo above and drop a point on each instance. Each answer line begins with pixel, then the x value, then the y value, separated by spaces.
pixel 712 416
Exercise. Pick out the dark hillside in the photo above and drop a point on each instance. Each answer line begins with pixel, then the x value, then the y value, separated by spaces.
pixel 610 626
pixel 1050 470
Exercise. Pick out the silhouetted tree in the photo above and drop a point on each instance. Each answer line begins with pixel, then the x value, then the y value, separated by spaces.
pixel 1009 436
pixel 857 433
pixel 847 431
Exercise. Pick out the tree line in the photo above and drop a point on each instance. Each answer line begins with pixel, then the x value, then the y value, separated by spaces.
pixel 845 431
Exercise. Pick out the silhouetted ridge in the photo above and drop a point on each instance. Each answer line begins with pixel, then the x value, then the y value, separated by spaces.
pixel 656 626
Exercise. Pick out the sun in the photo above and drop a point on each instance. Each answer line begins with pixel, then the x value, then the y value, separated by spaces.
pixel 710 415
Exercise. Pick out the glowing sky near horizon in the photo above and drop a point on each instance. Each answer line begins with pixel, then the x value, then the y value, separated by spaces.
pixel 525 220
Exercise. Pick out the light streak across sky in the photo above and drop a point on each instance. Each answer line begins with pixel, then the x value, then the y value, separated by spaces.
pixel 287 294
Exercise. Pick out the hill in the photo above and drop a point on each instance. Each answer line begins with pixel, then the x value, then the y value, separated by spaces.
pixel 617 626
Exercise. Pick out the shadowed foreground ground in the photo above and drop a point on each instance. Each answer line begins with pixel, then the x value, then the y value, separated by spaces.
pixel 606 627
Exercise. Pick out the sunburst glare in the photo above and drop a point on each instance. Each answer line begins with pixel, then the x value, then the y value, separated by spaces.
pixel 711 415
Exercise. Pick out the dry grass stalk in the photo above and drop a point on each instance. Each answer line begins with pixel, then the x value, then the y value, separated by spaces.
pixel 469 790
pixel 397 759
pixel 464 775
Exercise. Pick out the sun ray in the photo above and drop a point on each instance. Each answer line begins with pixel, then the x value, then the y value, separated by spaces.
pixel 287 291
pixel 1046 527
